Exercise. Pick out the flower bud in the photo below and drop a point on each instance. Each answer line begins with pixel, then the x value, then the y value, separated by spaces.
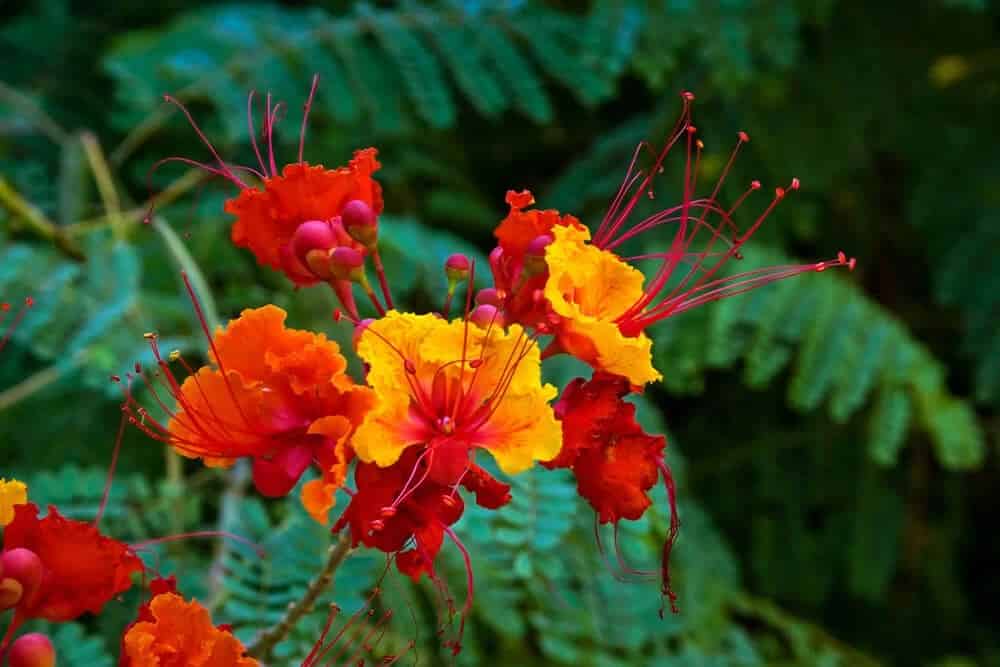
pixel 31 650
pixel 23 566
pixel 360 222
pixel 486 315
pixel 10 593
pixel 488 296
pixel 310 236
pixel 534 255
pixel 347 264
pixel 456 267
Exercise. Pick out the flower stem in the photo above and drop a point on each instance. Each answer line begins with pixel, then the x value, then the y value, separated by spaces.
pixel 265 643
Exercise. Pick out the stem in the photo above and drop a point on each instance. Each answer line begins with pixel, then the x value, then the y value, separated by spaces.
pixel 105 184
pixel 36 221
pixel 37 382
pixel 265 643
pixel 382 280
pixel 237 479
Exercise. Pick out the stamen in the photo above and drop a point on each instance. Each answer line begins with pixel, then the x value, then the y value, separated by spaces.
pixel 305 115
pixel 253 132
pixel 201 135
pixel 4 310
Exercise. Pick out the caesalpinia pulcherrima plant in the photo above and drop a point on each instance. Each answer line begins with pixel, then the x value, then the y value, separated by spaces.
pixel 437 390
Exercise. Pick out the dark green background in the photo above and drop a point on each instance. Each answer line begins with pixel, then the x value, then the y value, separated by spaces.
pixel 834 438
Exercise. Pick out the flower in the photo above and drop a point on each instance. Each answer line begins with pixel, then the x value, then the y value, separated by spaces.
pixel 594 301
pixel 173 633
pixel 276 395
pixel 454 387
pixel 518 271
pixel 387 512
pixel 267 219
pixel 614 460
pixel 12 493
pixel 82 569
pixel 589 289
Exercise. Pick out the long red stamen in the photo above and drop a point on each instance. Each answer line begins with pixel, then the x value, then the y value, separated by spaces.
pixel 253 132
pixel 305 115
pixel 223 167
pixel 456 645
pixel 259 550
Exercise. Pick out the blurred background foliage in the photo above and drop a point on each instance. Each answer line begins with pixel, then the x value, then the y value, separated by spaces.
pixel 834 437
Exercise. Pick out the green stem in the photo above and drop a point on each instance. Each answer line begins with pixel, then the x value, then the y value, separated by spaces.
pixel 264 645
pixel 35 220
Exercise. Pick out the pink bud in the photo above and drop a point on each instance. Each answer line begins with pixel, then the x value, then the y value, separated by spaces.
pixel 31 650
pixel 485 316
pixel 312 235
pixel 347 264
pixel 488 296
pixel 23 566
pixel 360 222
pixel 534 255
pixel 456 267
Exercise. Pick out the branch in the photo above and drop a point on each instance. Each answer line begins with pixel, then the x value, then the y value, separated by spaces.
pixel 30 215
pixel 265 643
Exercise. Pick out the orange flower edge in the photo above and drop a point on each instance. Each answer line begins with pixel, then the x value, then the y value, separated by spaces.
pixel 181 634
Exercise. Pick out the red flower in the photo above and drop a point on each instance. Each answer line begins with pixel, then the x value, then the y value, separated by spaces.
pixel 518 262
pixel 83 569
pixel 401 502
pixel 614 460
pixel 344 199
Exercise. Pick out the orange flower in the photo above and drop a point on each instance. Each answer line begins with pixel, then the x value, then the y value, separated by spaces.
pixel 277 395
pixel 181 634
pixel 267 219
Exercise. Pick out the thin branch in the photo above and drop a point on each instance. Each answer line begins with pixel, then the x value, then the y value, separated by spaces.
pixel 265 643
pixel 26 212
pixel 105 184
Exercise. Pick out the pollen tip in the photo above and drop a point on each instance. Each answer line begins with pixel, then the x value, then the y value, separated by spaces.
pixel 851 263
pixel 700 144
pixel 687 95
pixel 149 335
pixel 744 137
pixel 691 129
pixel 116 378
pixel 28 302
pixel 795 184
pixel 779 193
pixel 410 367
pixel 755 185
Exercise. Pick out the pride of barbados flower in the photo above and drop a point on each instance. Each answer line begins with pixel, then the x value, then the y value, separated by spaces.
pixel 172 632
pixel 455 387
pixel 276 395
pixel 63 568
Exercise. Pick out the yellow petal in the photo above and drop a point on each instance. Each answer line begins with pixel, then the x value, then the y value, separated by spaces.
pixel 11 493
pixel 590 288
pixel 523 430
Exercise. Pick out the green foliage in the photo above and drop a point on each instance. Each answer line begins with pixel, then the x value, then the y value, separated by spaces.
pixel 491 54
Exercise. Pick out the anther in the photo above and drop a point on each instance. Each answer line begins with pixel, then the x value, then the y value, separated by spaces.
pixel 744 137
pixel 149 335
pixel 376 525
pixel 795 184
pixel 779 193
pixel 688 95
pixel 388 512
pixel 410 367
pixel 755 185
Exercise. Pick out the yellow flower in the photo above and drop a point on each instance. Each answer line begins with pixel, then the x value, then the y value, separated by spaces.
pixel 454 386
pixel 590 289
pixel 11 493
